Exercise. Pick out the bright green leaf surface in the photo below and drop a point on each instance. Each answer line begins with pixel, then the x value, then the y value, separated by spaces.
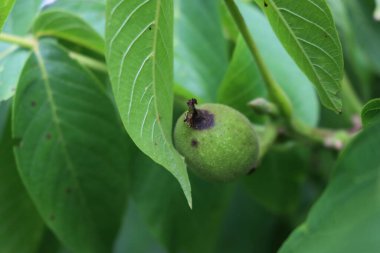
pixel 5 9
pixel 69 27
pixel 164 209
pixel 277 182
pixel 12 60
pixel 71 153
pixel 92 11
pixel 307 31
pixel 21 227
pixel 295 84
pixel 21 18
pixel 139 38
pixel 200 50
pixel 347 216
pixel 371 112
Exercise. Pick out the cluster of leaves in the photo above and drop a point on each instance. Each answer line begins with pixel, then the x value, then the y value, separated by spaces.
pixel 73 180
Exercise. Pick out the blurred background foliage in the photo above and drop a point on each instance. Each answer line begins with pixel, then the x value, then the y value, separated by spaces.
pixel 256 213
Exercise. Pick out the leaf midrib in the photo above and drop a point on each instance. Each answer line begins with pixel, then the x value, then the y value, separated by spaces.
pixel 170 147
pixel 276 9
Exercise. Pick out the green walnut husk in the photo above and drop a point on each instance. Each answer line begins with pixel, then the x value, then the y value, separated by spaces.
pixel 218 142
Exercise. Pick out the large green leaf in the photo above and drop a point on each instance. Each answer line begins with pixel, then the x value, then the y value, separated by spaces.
pixel 21 227
pixel 139 38
pixel 347 216
pixel 200 50
pixel 307 31
pixel 69 27
pixel 5 9
pixel 277 182
pixel 71 154
pixel 165 212
pixel 371 112
pixel 295 84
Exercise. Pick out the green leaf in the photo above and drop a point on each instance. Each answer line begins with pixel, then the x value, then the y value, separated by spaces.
pixel 165 212
pixel 347 216
pixel 239 87
pixel 5 9
pixel 21 17
pixel 69 27
pixel 71 155
pixel 200 50
pixel 139 43
pixel 21 227
pixel 93 12
pixel 371 111
pixel 277 182
pixel 307 31
pixel 366 31
pixel 12 60
pixel 242 81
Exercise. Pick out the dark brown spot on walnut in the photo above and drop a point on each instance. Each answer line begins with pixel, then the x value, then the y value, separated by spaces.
pixel 265 4
pixel 33 103
pixel 48 136
pixel 194 143
pixel 198 119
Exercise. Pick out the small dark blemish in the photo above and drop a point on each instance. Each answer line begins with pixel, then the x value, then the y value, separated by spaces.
pixel 194 143
pixel 150 28
pixel 265 4
pixel 33 103
pixel 251 171
pixel 155 144
pixel 17 142
pixel 68 190
pixel 48 136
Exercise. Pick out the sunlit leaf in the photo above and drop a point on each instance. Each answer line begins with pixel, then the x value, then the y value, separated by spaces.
pixel 243 82
pixel 139 38
pixel 5 9
pixel 307 31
